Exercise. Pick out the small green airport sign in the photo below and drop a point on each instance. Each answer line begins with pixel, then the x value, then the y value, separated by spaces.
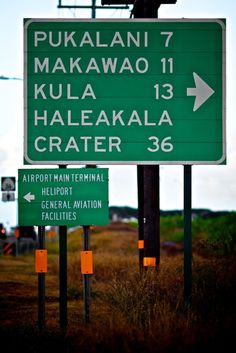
pixel 63 196
pixel 124 91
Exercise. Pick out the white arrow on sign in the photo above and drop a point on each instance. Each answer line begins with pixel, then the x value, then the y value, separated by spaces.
pixel 202 91
pixel 29 197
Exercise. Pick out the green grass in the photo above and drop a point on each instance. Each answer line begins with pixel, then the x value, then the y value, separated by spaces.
pixel 130 311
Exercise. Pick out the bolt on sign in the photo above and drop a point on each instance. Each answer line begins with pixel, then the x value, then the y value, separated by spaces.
pixel 124 92
pixel 63 196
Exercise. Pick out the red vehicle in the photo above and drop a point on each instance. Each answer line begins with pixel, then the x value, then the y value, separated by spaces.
pixel 3 233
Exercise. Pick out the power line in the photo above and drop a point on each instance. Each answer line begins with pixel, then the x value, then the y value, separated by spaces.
pixel 10 78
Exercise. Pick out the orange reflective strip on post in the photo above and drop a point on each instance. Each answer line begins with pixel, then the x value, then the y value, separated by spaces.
pixel 52 233
pixel 149 261
pixel 140 244
pixel 41 261
pixel 17 233
pixel 86 262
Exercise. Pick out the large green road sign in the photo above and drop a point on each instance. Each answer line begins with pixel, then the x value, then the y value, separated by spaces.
pixel 63 196
pixel 124 92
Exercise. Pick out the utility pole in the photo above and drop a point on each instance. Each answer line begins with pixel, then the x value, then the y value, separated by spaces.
pixel 148 181
pixel 93 9
pixel 63 273
pixel 148 175
pixel 187 234
pixel 111 5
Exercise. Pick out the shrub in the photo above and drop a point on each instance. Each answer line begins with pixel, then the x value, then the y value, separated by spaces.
pixel 221 231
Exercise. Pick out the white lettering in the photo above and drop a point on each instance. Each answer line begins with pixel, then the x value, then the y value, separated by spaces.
pixel 69 38
pixel 36 118
pixel 74 63
pixel 86 39
pixel 146 122
pixel 114 142
pixel 57 118
pixel 54 142
pixel 39 36
pixel 79 39
pixel 101 65
pixel 102 118
pixel 98 41
pixel 59 65
pixel 57 40
pixel 70 123
pixel 165 118
pixel 126 66
pixel 117 116
pixel 88 92
pixel 117 40
pixel 92 65
pixel 139 63
pixel 90 118
pixel 39 90
pixel 134 118
pixel 86 139
pixel 109 64
pixel 57 91
pixel 36 146
pixel 72 144
pixel 99 144
pixel 85 117
pixel 44 66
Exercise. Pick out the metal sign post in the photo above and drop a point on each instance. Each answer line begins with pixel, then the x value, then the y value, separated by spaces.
pixel 148 186
pixel 63 276
pixel 41 280
pixel 63 273
pixel 187 234
pixel 86 276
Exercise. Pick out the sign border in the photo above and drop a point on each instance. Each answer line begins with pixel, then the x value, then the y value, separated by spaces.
pixel 27 194
pixel 222 160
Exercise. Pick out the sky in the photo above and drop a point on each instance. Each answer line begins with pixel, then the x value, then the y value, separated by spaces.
pixel 213 187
